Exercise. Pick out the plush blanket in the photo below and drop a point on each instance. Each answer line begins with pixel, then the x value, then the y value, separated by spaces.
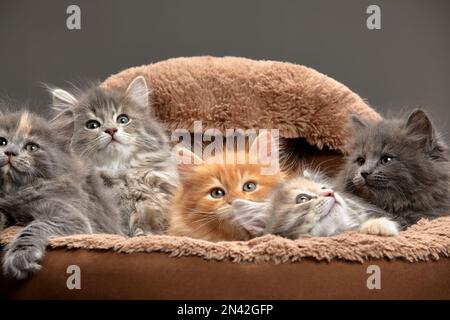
pixel 230 92
pixel 427 240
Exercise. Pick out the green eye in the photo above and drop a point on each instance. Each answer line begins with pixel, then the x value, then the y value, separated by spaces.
pixel 32 147
pixel 122 119
pixel 302 198
pixel 92 124
pixel 386 159
pixel 217 193
pixel 249 187
pixel 3 142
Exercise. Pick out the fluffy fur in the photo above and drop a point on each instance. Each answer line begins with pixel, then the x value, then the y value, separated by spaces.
pixel 309 206
pixel 46 191
pixel 197 213
pixel 115 130
pixel 225 92
pixel 401 166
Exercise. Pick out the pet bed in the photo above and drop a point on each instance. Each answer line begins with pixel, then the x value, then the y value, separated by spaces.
pixel 311 111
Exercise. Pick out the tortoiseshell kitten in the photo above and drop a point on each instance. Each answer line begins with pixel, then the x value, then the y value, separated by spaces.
pixel 399 165
pixel 46 191
pixel 116 131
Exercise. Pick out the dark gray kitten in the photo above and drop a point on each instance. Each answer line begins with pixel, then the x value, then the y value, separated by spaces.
pixel 116 131
pixel 47 191
pixel 401 166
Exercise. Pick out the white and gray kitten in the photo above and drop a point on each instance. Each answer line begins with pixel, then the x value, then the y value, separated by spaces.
pixel 309 206
pixel 117 131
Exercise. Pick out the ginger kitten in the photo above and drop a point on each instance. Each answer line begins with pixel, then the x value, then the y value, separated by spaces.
pixel 203 205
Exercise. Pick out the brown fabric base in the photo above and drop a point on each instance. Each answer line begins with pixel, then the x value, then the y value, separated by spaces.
pixel 110 275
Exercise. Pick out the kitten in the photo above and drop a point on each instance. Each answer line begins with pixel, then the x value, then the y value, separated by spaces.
pixel 309 206
pixel 116 131
pixel 203 205
pixel 401 166
pixel 47 191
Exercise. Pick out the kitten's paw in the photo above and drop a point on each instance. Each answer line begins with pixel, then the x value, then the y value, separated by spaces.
pixel 20 262
pixel 380 227
pixel 250 215
pixel 138 232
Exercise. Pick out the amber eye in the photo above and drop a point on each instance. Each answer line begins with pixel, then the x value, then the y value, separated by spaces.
pixel 249 187
pixel 32 147
pixel 92 124
pixel 122 119
pixel 302 198
pixel 217 193
pixel 386 159
pixel 360 161
pixel 3 142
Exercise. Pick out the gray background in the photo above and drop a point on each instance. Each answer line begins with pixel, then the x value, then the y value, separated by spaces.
pixel 403 65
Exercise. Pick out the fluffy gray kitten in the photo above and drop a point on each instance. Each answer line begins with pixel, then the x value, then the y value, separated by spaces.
pixel 116 131
pixel 47 191
pixel 401 166
pixel 309 206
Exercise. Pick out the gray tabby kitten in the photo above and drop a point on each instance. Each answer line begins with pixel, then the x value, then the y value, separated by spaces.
pixel 115 130
pixel 401 166
pixel 47 191
pixel 308 206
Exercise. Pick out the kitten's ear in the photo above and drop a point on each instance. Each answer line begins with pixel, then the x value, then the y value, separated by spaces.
pixel 419 123
pixel 186 162
pixel 138 91
pixel 62 100
pixel 357 122
pixel 63 126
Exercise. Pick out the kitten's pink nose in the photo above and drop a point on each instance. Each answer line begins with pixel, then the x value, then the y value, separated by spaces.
pixel 328 193
pixel 111 131
pixel 10 154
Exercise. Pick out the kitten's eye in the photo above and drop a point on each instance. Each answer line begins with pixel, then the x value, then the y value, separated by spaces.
pixel 360 161
pixel 302 198
pixel 386 159
pixel 92 124
pixel 323 188
pixel 32 147
pixel 122 119
pixel 217 193
pixel 3 142
pixel 249 187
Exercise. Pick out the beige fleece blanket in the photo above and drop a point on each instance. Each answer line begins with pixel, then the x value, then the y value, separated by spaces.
pixel 427 240
pixel 233 92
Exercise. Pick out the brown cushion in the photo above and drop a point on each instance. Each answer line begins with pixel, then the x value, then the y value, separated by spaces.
pixel 111 275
